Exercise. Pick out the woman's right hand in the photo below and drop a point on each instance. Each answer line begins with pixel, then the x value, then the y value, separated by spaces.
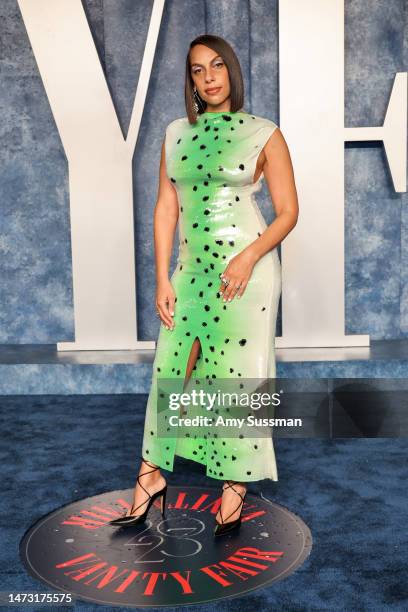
pixel 165 301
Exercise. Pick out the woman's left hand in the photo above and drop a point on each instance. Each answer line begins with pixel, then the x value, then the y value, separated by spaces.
pixel 238 272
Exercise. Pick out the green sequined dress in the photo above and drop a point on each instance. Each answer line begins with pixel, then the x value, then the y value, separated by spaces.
pixel 211 165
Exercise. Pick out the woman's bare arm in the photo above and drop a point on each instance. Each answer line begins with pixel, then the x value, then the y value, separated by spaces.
pixel 165 222
pixel 278 172
pixel 279 176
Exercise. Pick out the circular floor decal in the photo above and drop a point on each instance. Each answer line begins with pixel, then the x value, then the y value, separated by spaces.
pixel 165 562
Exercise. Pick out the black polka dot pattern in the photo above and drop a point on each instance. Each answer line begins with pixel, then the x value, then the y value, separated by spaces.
pixel 211 166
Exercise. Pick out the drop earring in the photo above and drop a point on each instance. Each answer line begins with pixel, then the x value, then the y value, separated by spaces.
pixel 197 102
pixel 195 105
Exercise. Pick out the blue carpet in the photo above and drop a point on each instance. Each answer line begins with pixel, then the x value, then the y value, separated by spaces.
pixel 351 493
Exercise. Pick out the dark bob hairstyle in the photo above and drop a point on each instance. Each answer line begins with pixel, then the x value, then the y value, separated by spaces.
pixel 230 59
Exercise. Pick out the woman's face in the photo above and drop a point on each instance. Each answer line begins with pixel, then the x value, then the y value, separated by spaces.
pixel 209 72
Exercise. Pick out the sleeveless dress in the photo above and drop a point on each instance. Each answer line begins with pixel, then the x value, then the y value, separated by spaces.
pixel 211 165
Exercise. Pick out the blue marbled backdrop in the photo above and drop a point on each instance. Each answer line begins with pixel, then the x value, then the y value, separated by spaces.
pixel 35 247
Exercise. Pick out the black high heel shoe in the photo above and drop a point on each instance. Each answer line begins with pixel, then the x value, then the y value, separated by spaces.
pixel 226 527
pixel 130 520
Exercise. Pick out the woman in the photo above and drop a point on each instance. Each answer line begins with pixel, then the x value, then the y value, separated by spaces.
pixel 219 308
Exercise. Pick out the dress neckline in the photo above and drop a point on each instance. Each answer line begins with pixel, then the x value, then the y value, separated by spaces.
pixel 217 114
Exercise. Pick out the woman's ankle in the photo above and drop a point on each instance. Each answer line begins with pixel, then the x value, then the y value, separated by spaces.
pixel 228 484
pixel 149 476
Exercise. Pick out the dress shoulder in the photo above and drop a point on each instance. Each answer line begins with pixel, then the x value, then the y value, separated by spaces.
pixel 172 134
pixel 176 124
pixel 263 129
pixel 264 122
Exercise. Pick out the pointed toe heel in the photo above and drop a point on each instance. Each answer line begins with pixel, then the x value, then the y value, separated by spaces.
pixel 132 520
pixel 227 526
pixel 221 528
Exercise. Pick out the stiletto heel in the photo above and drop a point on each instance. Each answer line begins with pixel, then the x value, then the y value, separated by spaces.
pixel 163 502
pixel 224 527
pixel 132 520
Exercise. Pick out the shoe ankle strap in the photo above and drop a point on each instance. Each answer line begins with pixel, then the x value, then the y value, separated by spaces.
pixel 230 485
pixel 147 462
pixel 154 468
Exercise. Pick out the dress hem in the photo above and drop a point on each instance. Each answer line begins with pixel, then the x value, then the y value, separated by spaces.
pixel 256 478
